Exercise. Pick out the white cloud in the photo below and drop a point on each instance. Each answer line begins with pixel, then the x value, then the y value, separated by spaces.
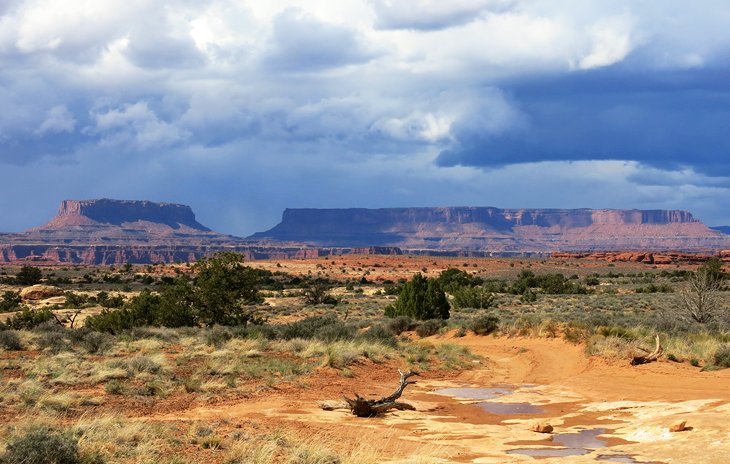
pixel 323 86
pixel 611 42
pixel 58 119
pixel 137 124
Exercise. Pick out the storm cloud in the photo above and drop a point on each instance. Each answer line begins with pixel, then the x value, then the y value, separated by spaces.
pixel 244 108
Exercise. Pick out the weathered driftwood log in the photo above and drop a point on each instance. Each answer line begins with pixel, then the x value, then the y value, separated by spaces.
pixel 369 408
pixel 647 358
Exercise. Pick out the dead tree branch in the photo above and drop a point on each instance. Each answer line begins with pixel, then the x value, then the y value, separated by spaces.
pixel 653 356
pixel 362 407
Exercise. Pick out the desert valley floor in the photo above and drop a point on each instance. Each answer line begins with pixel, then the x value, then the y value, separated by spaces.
pixel 216 395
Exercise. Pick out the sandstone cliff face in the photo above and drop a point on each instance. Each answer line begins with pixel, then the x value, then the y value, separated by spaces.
pixel 123 212
pixel 117 232
pixel 495 229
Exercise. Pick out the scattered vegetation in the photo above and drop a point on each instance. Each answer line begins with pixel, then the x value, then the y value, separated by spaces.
pixel 421 299
pixel 157 339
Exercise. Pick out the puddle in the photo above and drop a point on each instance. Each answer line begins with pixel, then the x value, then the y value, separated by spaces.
pixel 575 444
pixel 582 439
pixel 549 452
pixel 511 408
pixel 475 393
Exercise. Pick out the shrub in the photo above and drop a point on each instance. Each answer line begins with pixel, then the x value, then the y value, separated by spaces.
pixel 307 328
pixel 96 343
pixel 54 341
pixel 528 296
pixel 222 287
pixel 114 387
pixel 217 336
pixel 485 325
pixel 10 302
pixel 10 341
pixel 722 357
pixel 144 364
pixel 318 294
pixel 421 299
pixel 379 333
pixel 555 284
pixel 42 445
pixel 473 297
pixel 400 324
pixel 29 318
pixel 28 275
pixel 428 328
pixel 454 279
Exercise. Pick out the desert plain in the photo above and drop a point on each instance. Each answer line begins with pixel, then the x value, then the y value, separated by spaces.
pixel 264 392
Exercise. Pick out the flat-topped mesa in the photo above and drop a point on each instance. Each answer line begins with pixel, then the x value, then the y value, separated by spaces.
pixel 119 212
pixel 493 229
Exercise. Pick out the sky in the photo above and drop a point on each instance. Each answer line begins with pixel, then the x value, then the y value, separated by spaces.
pixel 243 108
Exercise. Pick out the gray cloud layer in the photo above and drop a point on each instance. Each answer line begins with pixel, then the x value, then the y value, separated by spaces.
pixel 244 108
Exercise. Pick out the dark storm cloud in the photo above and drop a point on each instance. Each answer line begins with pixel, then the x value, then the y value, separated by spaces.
pixel 663 119
pixel 243 108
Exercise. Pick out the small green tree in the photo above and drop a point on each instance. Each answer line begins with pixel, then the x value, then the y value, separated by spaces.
pixel 222 288
pixel 452 279
pixel 28 275
pixel 422 299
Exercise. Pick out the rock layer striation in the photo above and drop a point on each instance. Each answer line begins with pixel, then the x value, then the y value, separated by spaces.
pixel 489 229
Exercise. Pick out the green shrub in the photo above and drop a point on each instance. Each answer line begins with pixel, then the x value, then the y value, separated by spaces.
pixel 10 341
pixel 453 279
pixel 114 387
pixel 42 445
pixel 319 294
pixel 553 284
pixel 218 296
pixel 421 299
pixel 28 275
pixel 428 328
pixel 484 325
pixel 473 297
pixel 722 357
pixel 10 302
pixel 29 318
pixel 528 296
pixel 321 327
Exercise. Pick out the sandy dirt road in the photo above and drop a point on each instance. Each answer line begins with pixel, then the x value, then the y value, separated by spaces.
pixel 601 411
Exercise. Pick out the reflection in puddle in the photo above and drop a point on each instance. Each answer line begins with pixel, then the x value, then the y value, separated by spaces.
pixel 582 439
pixel 511 408
pixel 474 393
pixel 576 444
pixel 549 452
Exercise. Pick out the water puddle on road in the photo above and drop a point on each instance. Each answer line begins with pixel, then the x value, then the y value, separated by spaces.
pixel 625 458
pixel 483 395
pixel 475 393
pixel 549 452
pixel 511 408
pixel 574 444
pixel 583 439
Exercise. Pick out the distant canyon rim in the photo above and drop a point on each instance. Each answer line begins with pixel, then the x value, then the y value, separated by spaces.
pixel 107 231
